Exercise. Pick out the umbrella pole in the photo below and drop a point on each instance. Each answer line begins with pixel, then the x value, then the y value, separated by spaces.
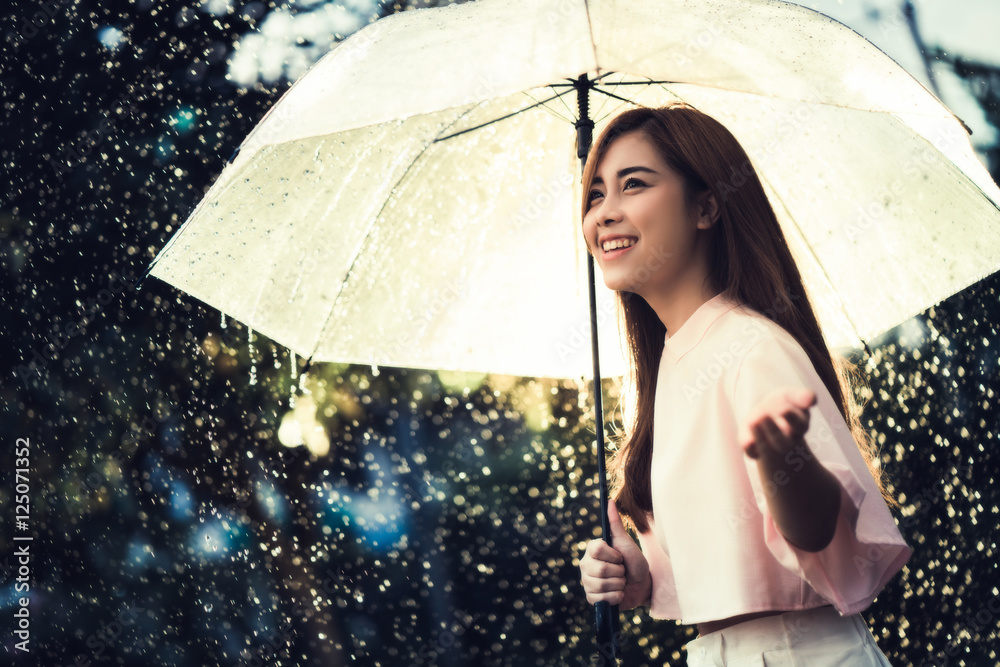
pixel 608 622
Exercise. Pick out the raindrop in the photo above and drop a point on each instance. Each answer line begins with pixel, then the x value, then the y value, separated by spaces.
pixel 253 362
pixel 294 370
pixel 374 370
pixel 208 606
pixel 223 320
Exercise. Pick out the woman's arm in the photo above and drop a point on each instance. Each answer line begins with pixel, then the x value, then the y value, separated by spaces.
pixel 803 496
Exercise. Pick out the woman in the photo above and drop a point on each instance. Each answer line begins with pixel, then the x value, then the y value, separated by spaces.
pixel 744 468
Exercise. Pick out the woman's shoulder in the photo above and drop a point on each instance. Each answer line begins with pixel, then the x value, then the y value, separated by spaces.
pixel 745 329
pixel 763 351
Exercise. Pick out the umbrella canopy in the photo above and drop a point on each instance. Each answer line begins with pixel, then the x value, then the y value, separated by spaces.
pixel 413 199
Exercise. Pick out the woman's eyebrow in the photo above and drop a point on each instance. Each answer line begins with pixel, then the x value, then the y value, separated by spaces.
pixel 622 173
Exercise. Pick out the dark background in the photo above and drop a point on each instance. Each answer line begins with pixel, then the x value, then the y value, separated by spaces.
pixel 172 527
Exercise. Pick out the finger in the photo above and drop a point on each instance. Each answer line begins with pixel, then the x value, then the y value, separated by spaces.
pixel 745 439
pixel 602 584
pixel 601 551
pixel 802 397
pixel 615 523
pixel 779 432
pixel 601 571
pixel 798 420
pixel 792 424
pixel 604 572
pixel 766 434
pixel 782 430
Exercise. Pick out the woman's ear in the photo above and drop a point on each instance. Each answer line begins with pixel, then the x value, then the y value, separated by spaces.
pixel 708 210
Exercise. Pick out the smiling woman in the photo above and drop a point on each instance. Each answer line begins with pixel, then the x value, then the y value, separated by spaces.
pixel 645 223
pixel 736 412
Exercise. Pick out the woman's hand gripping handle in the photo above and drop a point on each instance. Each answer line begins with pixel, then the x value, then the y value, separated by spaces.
pixel 616 574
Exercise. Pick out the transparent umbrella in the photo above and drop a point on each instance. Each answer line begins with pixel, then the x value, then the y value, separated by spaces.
pixel 412 200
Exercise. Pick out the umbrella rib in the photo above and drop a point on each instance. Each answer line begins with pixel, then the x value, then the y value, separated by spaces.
pixel 590 28
pixel 620 83
pixel 573 84
pixel 568 107
pixel 550 109
pixel 495 120
pixel 617 97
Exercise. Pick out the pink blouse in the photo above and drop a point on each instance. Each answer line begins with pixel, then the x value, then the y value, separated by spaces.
pixel 713 549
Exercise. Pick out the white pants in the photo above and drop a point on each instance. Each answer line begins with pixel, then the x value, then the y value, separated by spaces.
pixel 818 637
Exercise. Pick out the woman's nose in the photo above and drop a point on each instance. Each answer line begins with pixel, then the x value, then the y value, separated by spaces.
pixel 609 212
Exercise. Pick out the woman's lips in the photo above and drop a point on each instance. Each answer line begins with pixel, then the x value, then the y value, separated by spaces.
pixel 617 252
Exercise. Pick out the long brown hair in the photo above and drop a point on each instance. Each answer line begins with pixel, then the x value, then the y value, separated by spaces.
pixel 750 263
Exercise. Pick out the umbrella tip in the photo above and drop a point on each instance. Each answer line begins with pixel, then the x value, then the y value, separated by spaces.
pixel 138 283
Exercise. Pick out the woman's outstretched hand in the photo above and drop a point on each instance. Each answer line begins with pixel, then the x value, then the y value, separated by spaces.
pixel 777 425
pixel 802 496
pixel 618 574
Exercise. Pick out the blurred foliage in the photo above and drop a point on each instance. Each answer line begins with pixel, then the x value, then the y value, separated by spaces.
pixel 445 523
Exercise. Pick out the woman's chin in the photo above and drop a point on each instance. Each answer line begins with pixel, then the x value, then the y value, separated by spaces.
pixel 618 284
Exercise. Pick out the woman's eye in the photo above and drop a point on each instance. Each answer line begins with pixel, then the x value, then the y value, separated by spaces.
pixel 594 195
pixel 633 183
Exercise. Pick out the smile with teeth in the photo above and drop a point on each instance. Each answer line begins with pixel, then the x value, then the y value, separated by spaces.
pixel 615 244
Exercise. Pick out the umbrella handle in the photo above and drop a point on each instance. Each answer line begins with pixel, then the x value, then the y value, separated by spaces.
pixel 608 630
pixel 608 621
pixel 608 617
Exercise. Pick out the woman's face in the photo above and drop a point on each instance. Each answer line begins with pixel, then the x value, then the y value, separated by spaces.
pixel 638 226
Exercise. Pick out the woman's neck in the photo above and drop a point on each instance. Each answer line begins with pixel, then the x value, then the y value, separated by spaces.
pixel 675 309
